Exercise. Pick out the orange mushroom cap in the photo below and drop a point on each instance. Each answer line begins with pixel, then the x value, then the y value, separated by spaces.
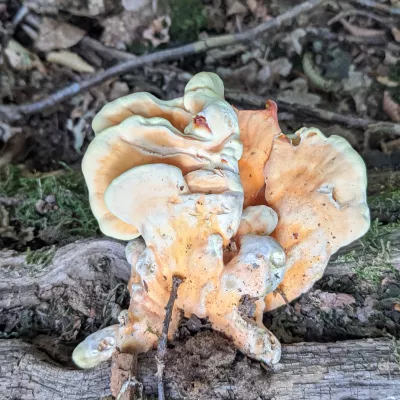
pixel 257 131
pixel 317 185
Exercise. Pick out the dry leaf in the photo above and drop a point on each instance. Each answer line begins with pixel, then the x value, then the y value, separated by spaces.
pixel 280 66
pixel 258 9
pixel 89 8
pixel 158 32
pixel 6 230
pixel 22 59
pixel 384 80
pixel 272 70
pixel 135 5
pixel 293 41
pixel 120 30
pixel 55 34
pixel 18 57
pixel 397 307
pixel 70 60
pixel 357 85
pixel 246 74
pixel 396 34
pixel 297 93
pixel 236 8
pixel 391 108
pixel 118 89
pixel 253 5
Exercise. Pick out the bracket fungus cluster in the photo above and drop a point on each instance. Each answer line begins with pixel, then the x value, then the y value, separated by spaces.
pixel 246 216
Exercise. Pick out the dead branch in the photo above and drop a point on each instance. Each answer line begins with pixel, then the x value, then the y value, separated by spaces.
pixel 318 114
pixel 108 53
pixel 361 13
pixel 206 366
pixel 378 6
pixel 17 112
pixel 162 342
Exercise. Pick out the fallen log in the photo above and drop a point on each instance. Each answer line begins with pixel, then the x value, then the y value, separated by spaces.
pixel 83 273
pixel 81 277
pixel 206 366
pixel 82 283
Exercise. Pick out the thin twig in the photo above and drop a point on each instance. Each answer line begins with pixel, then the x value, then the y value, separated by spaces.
pixel 162 343
pixel 377 6
pixel 106 52
pixel 361 13
pixel 318 113
pixel 16 113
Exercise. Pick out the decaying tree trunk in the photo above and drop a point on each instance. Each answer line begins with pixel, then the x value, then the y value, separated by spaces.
pixel 76 289
pixel 206 367
pixel 82 277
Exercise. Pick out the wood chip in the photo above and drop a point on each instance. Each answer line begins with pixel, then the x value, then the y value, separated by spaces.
pixel 123 383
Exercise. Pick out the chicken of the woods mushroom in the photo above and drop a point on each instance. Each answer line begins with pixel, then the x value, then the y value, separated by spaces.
pixel 220 198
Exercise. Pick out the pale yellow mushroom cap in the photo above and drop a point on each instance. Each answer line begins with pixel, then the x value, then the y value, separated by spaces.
pixel 140 129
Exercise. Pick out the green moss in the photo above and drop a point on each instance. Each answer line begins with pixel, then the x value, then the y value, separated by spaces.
pixel 394 75
pixel 39 257
pixel 188 19
pixel 385 206
pixel 72 215
pixel 374 263
pixel 347 258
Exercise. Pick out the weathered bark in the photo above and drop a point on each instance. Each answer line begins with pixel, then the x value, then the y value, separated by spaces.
pixel 206 367
pixel 82 276
pixel 78 265
pixel 73 265
pixel 80 283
